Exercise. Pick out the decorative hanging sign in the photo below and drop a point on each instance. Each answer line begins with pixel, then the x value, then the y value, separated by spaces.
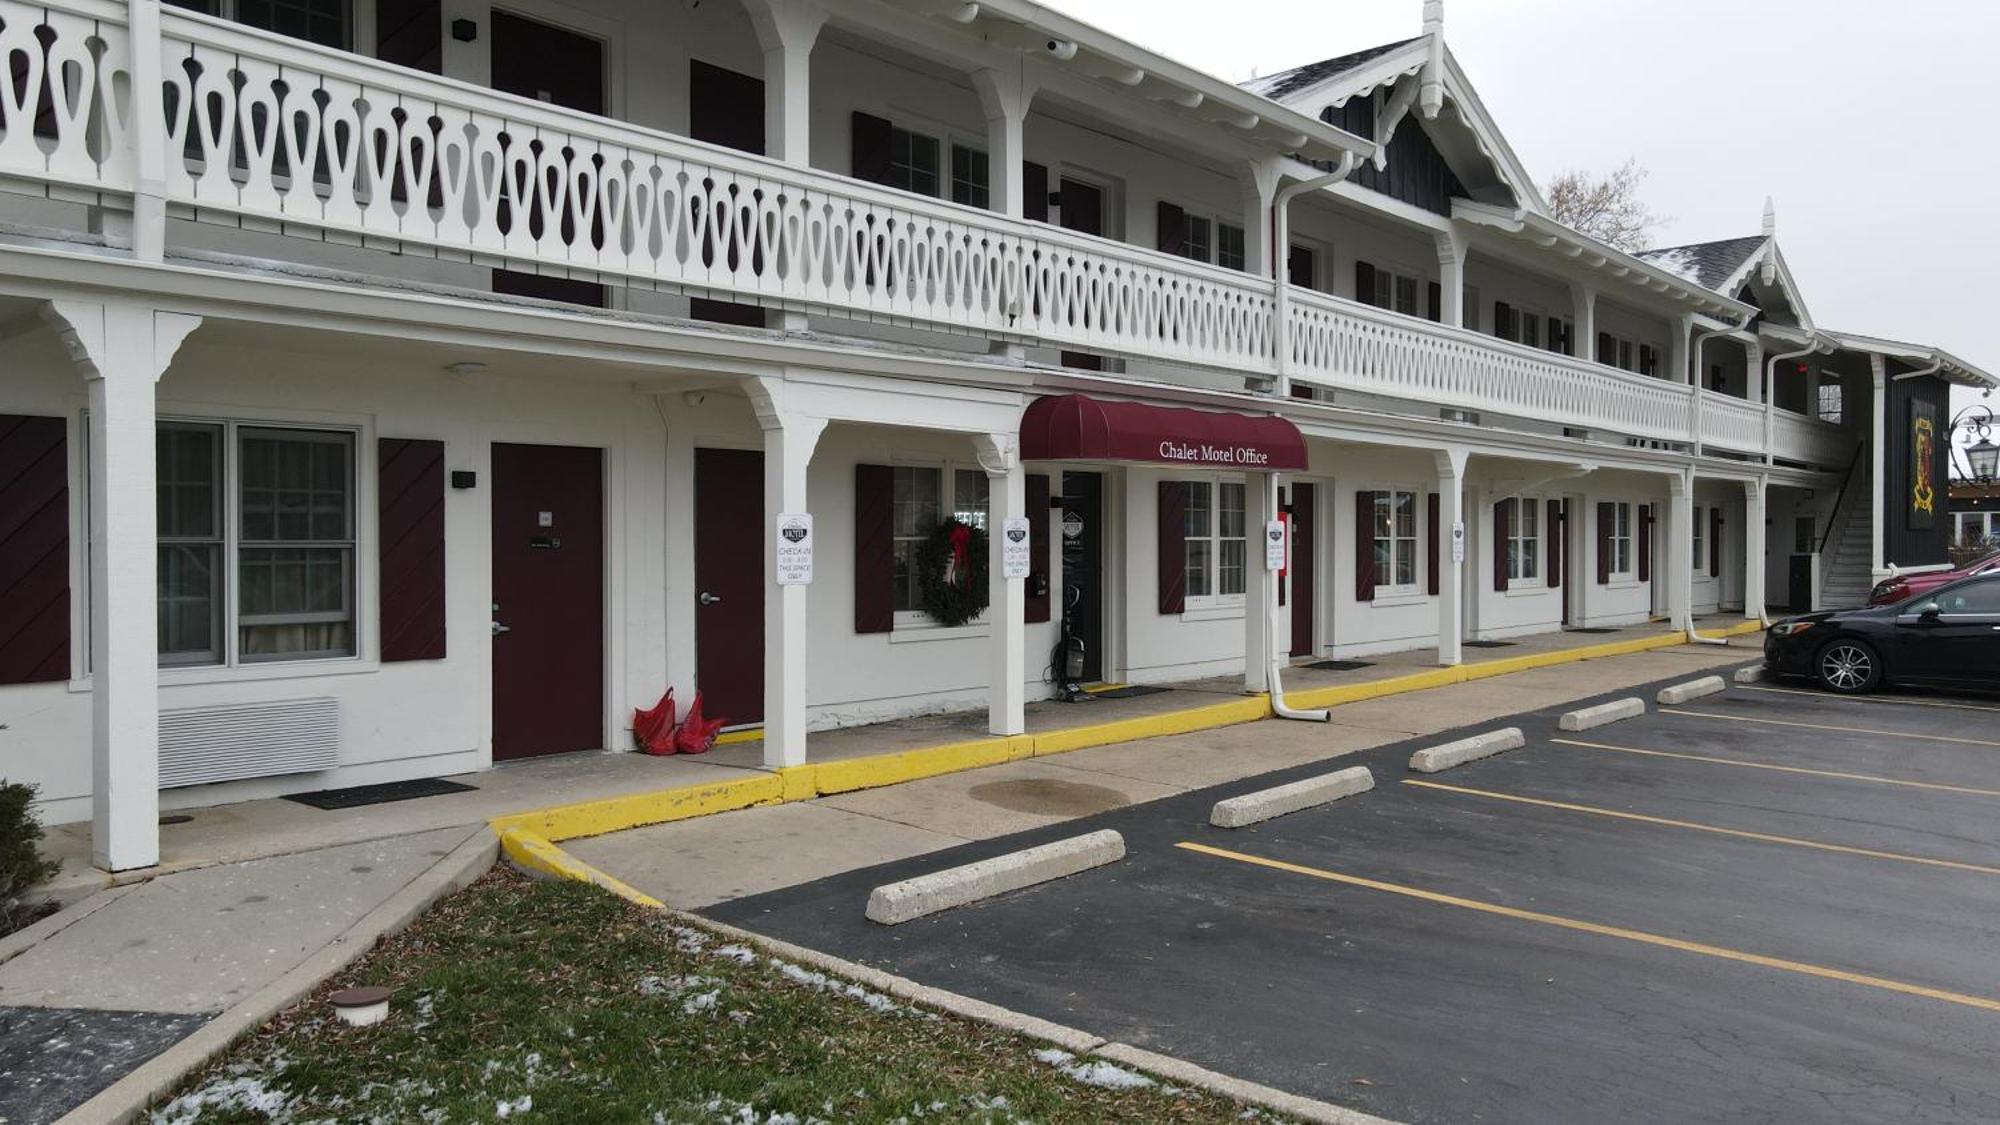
pixel 795 549
pixel 1015 557
pixel 1274 546
pixel 1072 525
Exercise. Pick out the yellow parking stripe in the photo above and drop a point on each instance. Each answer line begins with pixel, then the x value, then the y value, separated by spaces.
pixel 1695 826
pixel 1825 726
pixel 1869 777
pixel 1580 926
pixel 1892 700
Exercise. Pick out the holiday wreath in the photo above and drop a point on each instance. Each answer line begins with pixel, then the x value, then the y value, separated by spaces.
pixel 951 572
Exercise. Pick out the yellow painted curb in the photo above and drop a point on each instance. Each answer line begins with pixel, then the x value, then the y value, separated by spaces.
pixel 534 853
pixel 615 814
pixel 535 833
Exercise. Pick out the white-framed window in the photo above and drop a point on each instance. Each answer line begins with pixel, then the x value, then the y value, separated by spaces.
pixel 1395 291
pixel 1975 528
pixel 1202 237
pixel 1216 543
pixel 330 23
pixel 1524 542
pixel 1395 541
pixel 1832 404
pixel 256 542
pixel 1700 538
pixel 918 500
pixel 969 177
pixel 1622 557
pixel 1228 246
pixel 913 161
pixel 1534 328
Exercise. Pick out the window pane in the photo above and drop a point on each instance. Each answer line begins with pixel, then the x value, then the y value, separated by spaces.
pixel 293 602
pixel 1385 506
pixel 1230 572
pixel 316 21
pixel 190 603
pixel 968 177
pixel 970 491
pixel 914 509
pixel 1228 246
pixel 1197 239
pixel 188 464
pixel 1232 511
pixel 1197 510
pixel 295 486
pixel 1197 568
pixel 295 573
pixel 1406 515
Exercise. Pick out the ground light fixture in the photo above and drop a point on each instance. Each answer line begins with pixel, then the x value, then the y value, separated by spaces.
pixel 361 1007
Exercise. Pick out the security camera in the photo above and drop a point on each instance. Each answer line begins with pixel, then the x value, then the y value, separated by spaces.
pixel 1060 49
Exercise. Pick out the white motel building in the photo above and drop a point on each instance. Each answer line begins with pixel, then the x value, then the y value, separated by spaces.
pixel 392 388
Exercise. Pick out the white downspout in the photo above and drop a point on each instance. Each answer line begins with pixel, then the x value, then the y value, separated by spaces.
pixel 1813 345
pixel 1281 237
pixel 1281 340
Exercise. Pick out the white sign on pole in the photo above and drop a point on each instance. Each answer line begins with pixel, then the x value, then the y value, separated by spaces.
pixel 1458 542
pixel 795 549
pixel 1274 546
pixel 1015 558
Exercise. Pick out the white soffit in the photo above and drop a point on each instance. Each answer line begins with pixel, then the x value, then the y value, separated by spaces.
pixel 1613 266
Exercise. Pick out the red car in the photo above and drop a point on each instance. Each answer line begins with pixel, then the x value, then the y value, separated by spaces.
pixel 1905 586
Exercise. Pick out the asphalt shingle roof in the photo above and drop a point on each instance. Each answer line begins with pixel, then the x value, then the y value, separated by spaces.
pixel 1707 264
pixel 1299 77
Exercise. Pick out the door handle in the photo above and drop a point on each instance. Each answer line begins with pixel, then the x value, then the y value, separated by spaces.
pixel 708 598
pixel 499 629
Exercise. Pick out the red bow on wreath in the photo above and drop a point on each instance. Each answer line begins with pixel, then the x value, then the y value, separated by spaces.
pixel 959 573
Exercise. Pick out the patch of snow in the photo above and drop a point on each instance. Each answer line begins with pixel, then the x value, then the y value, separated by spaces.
pixel 244 1093
pixel 1678 262
pixel 825 983
pixel 701 1002
pixel 1095 1072
pixel 742 954
pixel 522 1104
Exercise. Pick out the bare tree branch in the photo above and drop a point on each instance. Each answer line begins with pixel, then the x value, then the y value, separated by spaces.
pixel 1607 207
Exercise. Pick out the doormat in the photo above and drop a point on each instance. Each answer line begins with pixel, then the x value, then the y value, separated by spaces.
pixel 1591 629
pixel 359 795
pixel 1131 691
pixel 1487 644
pixel 1338 665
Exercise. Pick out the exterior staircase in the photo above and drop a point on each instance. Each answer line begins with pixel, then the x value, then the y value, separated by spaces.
pixel 1846 568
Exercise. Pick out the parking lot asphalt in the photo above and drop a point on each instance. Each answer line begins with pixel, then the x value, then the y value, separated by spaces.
pixel 1766 905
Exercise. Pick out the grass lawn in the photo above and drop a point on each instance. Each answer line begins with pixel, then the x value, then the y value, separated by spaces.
pixel 556 1001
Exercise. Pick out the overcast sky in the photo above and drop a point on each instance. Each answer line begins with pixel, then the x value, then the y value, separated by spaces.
pixel 1860 117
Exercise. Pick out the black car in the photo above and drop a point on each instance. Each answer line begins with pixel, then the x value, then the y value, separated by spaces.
pixel 1948 637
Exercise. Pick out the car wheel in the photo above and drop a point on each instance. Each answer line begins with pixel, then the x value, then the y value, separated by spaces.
pixel 1848 666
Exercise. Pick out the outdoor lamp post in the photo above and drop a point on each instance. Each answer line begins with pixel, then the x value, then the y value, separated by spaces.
pixel 1982 456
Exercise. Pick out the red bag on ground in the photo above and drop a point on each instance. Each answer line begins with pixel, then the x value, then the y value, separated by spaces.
pixel 697 735
pixel 654 729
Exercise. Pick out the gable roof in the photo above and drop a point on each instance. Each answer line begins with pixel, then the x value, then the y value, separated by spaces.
pixel 1708 264
pixel 1468 135
pixel 1300 77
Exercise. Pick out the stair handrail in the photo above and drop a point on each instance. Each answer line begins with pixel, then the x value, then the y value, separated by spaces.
pixel 1840 498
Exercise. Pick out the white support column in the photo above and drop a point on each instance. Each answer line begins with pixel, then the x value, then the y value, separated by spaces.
pixel 1680 550
pixel 1260 586
pixel 787 30
pixel 1753 371
pixel 1004 96
pixel 1878 432
pixel 1584 299
pixel 149 146
pixel 789 439
pixel 1754 563
pixel 1679 334
pixel 121 350
pixel 1451 568
pixel 1007 598
pixel 1451 248
pixel 1258 184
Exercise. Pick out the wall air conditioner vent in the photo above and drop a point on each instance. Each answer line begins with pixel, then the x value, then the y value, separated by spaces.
pixel 202 745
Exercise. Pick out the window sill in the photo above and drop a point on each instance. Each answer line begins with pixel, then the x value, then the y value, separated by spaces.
pixel 251 673
pixel 927 631
pixel 1212 613
pixel 1523 590
pixel 1390 599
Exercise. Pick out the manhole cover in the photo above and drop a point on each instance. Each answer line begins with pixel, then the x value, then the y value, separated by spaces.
pixel 1050 797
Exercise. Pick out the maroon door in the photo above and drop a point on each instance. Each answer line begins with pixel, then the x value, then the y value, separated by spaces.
pixel 1304 574
pixel 548 600
pixel 729 584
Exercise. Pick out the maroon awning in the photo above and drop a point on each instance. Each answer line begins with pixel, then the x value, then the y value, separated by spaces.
pixel 1080 428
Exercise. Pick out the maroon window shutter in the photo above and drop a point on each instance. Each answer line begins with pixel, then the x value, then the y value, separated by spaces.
pixel 409 506
pixel 1606 512
pixel 1364 546
pixel 1034 191
pixel 1552 532
pixel 1435 309
pixel 1644 512
pixel 34 550
pixel 1432 529
pixel 874 549
pixel 1503 529
pixel 1503 320
pixel 1173 228
pixel 1715 542
pixel 1173 545
pixel 1038 547
pixel 1364 282
pixel 871 142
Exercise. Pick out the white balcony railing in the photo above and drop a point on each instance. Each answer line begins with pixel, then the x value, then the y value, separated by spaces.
pixel 286 136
